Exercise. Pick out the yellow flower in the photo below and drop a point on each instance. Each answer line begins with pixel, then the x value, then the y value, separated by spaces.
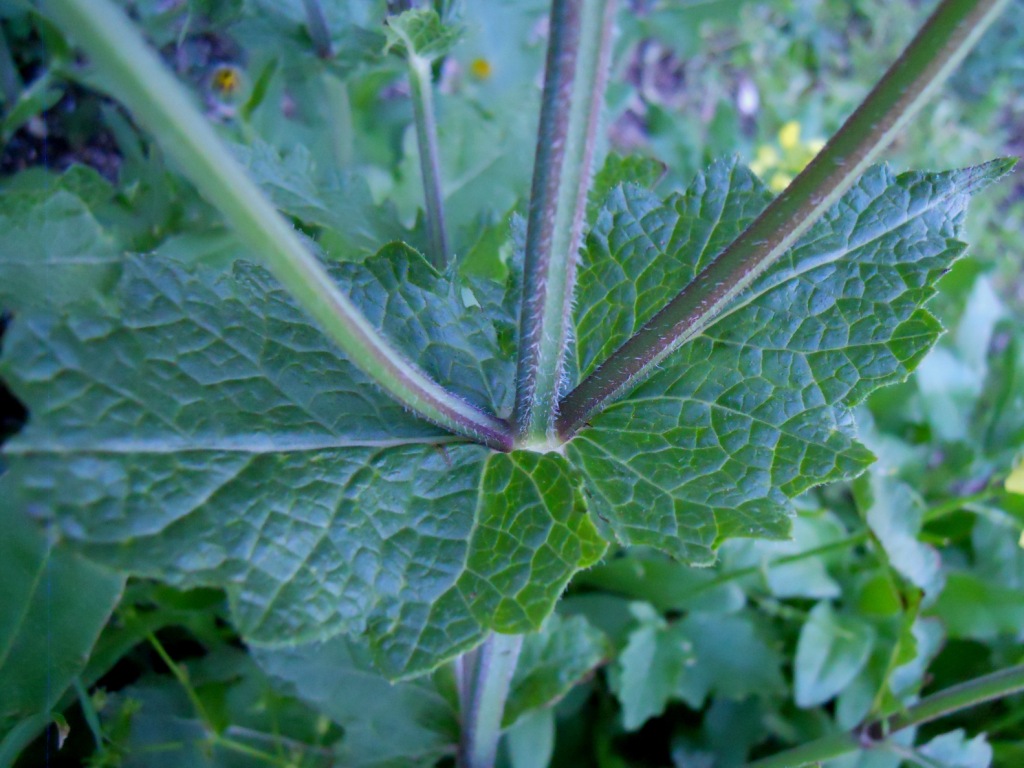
pixel 779 181
pixel 480 68
pixel 767 159
pixel 789 135
pixel 1015 480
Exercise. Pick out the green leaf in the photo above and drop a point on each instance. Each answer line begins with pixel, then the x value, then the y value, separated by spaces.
pixel 531 741
pixel 77 261
pixel 53 605
pixel 210 436
pixel 831 650
pixel 621 169
pixel 701 655
pixel 757 409
pixel 649 669
pixel 551 662
pixel 419 32
pixel 895 515
pixel 732 659
pixel 972 607
pixel 664 583
pixel 340 204
pixel 338 679
pixel 807 577
pixel 154 722
pixel 954 750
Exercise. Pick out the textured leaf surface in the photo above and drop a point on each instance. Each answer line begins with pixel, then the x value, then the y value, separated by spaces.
pixel 757 409
pixel 210 435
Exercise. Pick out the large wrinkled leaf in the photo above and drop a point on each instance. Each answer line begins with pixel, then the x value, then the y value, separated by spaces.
pixel 757 409
pixel 210 435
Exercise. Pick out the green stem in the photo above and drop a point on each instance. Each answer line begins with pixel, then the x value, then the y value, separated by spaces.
pixel 317 26
pixel 10 80
pixel 938 48
pixel 422 92
pixel 578 58
pixel 140 80
pixel 485 676
pixel 339 119
pixel 970 694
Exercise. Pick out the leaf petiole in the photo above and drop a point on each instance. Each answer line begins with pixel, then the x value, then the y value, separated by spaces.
pixel 143 84
pixel 940 45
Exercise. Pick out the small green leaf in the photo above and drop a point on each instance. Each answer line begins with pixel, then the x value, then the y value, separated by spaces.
pixel 531 741
pixel 649 669
pixel 895 515
pixel 340 204
pixel 338 679
pixel 551 662
pixel 955 750
pixel 971 607
pixel 53 605
pixel 831 650
pixel 76 262
pixel 732 659
pixel 420 32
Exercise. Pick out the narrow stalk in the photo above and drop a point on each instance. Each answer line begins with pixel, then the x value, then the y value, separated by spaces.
pixel 486 677
pixel 970 694
pixel 339 108
pixel 317 26
pixel 10 80
pixel 578 57
pixel 144 85
pixel 422 93
pixel 938 48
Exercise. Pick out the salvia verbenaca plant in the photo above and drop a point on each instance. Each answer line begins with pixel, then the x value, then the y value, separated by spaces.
pixel 379 446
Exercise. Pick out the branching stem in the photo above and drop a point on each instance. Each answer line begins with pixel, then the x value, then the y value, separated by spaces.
pixel 970 694
pixel 938 48
pixel 578 58
pixel 142 82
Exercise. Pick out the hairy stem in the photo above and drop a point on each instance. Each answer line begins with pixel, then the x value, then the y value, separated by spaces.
pixel 484 678
pixel 316 23
pixel 421 90
pixel 577 69
pixel 970 694
pixel 141 81
pixel 938 48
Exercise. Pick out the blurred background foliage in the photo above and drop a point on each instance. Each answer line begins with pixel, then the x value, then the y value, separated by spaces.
pixel 910 579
